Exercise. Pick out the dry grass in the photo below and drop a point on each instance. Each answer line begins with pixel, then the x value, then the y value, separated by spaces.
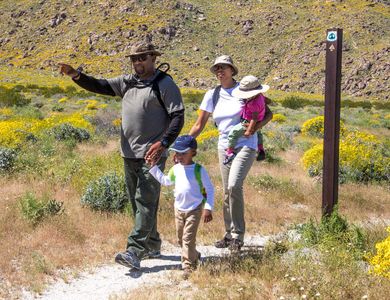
pixel 75 239
pixel 82 238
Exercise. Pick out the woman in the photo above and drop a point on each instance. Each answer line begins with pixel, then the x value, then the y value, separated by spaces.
pixel 226 111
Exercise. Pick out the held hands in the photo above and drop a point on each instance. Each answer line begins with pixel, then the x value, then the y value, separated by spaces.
pixel 207 215
pixel 67 70
pixel 154 153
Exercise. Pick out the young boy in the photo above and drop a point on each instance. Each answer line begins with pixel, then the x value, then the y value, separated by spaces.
pixel 194 197
pixel 250 91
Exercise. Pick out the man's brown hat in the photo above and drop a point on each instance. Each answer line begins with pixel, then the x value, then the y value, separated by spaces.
pixel 143 48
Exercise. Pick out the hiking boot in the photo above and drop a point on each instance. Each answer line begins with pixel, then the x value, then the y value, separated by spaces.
pixel 235 245
pixel 228 158
pixel 224 243
pixel 151 254
pixel 128 259
pixel 260 155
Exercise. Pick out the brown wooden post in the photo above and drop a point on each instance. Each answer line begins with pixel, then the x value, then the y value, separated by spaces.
pixel 334 40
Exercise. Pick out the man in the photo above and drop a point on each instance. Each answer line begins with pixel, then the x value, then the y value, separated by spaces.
pixel 152 117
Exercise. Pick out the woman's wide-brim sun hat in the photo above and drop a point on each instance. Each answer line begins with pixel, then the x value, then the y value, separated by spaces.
pixel 250 86
pixel 224 60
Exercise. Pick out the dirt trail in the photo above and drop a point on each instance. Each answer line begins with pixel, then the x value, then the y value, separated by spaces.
pixel 114 280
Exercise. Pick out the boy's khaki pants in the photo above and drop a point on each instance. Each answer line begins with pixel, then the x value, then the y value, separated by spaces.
pixel 187 223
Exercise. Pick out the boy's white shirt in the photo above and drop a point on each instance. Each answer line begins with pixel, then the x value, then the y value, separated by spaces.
pixel 187 191
pixel 227 114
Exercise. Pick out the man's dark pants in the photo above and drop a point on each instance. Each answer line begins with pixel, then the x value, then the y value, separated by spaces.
pixel 144 195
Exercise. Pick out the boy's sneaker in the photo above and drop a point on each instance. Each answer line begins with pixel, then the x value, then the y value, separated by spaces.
pixel 187 273
pixel 235 245
pixel 199 258
pixel 229 157
pixel 224 243
pixel 260 155
pixel 128 259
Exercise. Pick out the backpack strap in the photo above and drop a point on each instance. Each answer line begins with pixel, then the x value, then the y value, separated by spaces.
pixel 171 175
pixel 198 177
pixel 215 97
pixel 156 88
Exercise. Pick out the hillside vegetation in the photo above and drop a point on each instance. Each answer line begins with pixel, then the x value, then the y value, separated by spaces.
pixel 63 209
pixel 281 41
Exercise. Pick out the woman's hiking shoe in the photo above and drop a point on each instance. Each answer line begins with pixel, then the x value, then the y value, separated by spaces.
pixel 228 158
pixel 260 155
pixel 128 259
pixel 224 243
pixel 235 245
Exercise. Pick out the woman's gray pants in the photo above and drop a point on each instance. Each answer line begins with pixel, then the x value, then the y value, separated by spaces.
pixel 233 176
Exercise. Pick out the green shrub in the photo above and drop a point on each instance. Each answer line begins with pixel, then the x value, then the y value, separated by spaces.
pixel 277 138
pixel 382 105
pixel 315 127
pixel 58 108
pixel 7 158
pixel 66 131
pixel 51 91
pixel 350 103
pixel 334 230
pixel 108 193
pixel 192 95
pixel 35 210
pixel 362 158
pixel 30 112
pixel 279 118
pixel 293 102
pixel 12 97
pixel 287 188
pixel 381 261
pixel 107 122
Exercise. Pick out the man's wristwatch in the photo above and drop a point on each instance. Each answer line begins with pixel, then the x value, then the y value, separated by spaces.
pixel 164 143
pixel 77 77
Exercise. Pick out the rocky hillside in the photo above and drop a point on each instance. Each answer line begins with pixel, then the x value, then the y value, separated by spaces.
pixel 282 41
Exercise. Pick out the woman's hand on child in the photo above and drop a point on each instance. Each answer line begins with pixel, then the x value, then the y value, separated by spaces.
pixel 207 215
pixel 248 133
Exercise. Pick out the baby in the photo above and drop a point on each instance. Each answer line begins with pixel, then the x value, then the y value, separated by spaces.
pixel 250 91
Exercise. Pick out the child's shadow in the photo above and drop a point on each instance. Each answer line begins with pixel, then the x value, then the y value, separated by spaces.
pixel 134 273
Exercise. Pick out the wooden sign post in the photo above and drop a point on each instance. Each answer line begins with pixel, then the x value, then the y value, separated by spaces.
pixel 334 39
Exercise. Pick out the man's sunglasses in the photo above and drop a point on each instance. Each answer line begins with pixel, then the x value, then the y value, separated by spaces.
pixel 140 58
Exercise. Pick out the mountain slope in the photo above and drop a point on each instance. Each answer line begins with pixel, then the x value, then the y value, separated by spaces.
pixel 280 41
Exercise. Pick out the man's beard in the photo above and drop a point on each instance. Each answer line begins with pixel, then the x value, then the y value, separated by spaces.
pixel 139 70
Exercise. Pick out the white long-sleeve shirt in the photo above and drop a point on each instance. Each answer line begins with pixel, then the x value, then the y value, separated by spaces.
pixel 187 190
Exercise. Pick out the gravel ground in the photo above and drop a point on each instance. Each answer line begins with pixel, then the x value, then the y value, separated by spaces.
pixel 112 280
